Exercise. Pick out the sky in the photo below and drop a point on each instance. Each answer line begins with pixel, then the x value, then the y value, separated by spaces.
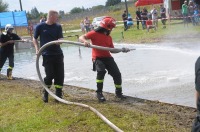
pixel 46 5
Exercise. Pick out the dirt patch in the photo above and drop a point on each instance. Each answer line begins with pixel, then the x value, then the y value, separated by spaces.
pixel 183 116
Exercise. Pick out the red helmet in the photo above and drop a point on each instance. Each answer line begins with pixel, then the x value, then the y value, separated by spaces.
pixel 108 23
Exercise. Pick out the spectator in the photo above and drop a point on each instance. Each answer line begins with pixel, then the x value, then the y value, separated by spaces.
pixel 196 16
pixel 82 26
pixel 154 14
pixel 191 11
pixel 87 24
pixel 163 15
pixel 138 17
pixel 144 18
pixel 150 25
pixel 124 18
pixel 129 21
pixel 185 13
pixel 42 19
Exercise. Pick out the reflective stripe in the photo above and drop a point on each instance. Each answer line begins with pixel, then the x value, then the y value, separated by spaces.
pixel 118 86
pixel 58 86
pixel 99 81
pixel 10 67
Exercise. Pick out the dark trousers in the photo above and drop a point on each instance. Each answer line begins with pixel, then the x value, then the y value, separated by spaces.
pixel 54 69
pixel 138 22
pixel 3 58
pixel 163 19
pixel 103 64
pixel 125 26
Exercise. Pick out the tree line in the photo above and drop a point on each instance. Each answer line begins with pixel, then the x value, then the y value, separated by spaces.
pixel 35 14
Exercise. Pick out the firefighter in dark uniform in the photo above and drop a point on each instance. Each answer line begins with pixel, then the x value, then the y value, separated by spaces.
pixel 102 60
pixel 52 55
pixel 196 124
pixel 7 49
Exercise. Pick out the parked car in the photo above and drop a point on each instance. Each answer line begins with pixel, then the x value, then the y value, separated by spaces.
pixel 96 21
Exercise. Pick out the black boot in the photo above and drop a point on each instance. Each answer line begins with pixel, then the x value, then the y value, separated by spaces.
pixel 9 74
pixel 58 93
pixel 119 93
pixel 100 97
pixel 45 96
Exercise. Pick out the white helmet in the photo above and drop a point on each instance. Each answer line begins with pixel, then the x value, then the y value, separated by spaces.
pixel 8 26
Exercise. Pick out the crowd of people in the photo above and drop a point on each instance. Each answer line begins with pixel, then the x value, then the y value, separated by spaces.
pixel 144 17
pixel 190 12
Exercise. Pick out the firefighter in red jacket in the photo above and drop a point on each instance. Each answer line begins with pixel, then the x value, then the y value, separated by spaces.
pixel 102 60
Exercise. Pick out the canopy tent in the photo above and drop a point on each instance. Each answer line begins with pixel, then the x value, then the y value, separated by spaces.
pixel 147 2
pixel 14 18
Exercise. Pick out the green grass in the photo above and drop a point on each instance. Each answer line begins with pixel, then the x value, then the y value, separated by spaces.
pixel 23 111
pixel 133 35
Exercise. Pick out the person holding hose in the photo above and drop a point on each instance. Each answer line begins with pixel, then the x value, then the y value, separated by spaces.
pixel 102 60
pixel 7 41
pixel 53 55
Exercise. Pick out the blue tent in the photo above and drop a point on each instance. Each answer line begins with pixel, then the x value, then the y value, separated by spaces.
pixel 14 18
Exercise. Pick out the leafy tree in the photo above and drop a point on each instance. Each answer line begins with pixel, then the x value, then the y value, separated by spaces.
pixel 34 13
pixel 112 2
pixel 29 16
pixel 61 14
pixel 3 6
pixel 98 7
pixel 76 10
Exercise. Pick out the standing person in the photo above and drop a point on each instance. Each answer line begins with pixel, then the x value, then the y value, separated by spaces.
pixel 7 41
pixel 154 14
pixel 52 55
pixel 82 27
pixel 42 19
pixel 102 60
pixel 144 18
pixel 138 17
pixel 163 15
pixel 124 18
pixel 196 124
pixel 196 16
pixel 87 24
pixel 185 13
pixel 191 12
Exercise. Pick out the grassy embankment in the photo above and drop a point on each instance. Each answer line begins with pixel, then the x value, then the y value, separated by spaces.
pixel 22 110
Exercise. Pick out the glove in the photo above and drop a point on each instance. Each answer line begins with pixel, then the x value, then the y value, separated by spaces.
pixel 125 50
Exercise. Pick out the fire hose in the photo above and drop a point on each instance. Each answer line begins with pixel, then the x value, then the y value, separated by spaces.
pixel 74 103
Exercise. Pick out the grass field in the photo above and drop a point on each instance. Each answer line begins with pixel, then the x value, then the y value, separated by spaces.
pixel 22 110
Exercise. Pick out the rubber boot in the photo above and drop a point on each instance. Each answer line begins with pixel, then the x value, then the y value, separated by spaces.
pixel 45 96
pixel 99 92
pixel 58 93
pixel 9 74
pixel 119 93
